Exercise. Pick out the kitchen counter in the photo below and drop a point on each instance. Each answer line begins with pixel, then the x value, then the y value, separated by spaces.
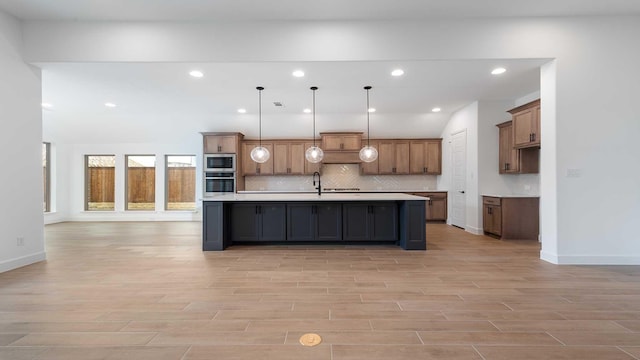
pixel 342 218
pixel 511 196
pixel 328 196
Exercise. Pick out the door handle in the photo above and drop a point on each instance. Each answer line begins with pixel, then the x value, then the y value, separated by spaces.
pixel 461 191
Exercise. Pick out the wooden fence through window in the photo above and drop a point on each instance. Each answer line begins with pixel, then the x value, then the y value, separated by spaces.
pixel 181 184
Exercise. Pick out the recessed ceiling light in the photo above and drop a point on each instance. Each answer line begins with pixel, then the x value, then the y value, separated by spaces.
pixel 436 109
pixel 498 71
pixel 47 105
pixel 298 73
pixel 397 72
pixel 110 105
pixel 242 111
pixel 372 110
pixel 196 73
pixel 307 111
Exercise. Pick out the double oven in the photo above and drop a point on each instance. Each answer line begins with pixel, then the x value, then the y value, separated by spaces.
pixel 219 173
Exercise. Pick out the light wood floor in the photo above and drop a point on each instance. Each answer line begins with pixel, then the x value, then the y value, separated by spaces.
pixel 147 291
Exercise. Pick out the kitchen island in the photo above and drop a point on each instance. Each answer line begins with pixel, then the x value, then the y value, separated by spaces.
pixel 345 218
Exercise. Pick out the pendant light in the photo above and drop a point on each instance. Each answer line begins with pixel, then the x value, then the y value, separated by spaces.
pixel 259 153
pixel 368 153
pixel 314 154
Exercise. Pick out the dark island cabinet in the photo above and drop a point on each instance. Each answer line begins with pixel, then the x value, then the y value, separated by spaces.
pixel 370 221
pixel 258 222
pixel 314 222
pixel 213 229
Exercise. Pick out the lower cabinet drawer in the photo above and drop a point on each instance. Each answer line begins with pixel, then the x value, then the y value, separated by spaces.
pixel 488 200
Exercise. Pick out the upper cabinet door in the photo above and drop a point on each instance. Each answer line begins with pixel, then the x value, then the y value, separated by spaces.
pixel 341 141
pixel 225 144
pixel 526 125
pixel 296 158
pixel 371 168
pixel 402 157
pixel 251 167
pixel 280 158
pixel 425 157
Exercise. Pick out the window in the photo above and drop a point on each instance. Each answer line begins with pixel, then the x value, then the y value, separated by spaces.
pixel 46 175
pixel 141 182
pixel 181 182
pixel 100 178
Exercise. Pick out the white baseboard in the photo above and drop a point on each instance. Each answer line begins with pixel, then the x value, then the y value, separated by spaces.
pixel 22 261
pixel 590 259
pixel 54 218
pixel 473 230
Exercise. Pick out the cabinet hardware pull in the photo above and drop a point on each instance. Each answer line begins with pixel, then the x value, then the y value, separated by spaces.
pixel 533 136
pixel 489 210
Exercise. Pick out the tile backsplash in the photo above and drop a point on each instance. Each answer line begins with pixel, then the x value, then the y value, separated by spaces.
pixel 342 176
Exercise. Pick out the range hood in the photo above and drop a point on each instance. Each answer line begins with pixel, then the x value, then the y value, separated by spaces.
pixel 341 157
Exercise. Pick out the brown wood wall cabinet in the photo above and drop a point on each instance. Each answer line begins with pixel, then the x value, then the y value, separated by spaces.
pixel 425 156
pixel 393 157
pixel 513 218
pixel 526 125
pixel 222 143
pixel 309 167
pixel 436 209
pixel 343 141
pixel 512 160
pixel 250 167
pixel 288 158
pixel 371 168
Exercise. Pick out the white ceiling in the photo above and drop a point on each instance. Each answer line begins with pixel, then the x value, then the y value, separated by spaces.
pixel 159 96
pixel 162 96
pixel 198 10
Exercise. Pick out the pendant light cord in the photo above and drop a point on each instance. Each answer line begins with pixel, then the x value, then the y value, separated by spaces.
pixel 368 131
pixel 313 104
pixel 260 88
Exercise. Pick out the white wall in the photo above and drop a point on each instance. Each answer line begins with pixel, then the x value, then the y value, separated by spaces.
pixel 595 122
pixel 463 119
pixel 20 153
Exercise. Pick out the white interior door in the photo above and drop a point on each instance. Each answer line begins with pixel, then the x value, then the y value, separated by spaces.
pixel 458 179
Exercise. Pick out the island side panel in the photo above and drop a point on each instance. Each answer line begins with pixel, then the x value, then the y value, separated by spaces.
pixel 213 229
pixel 413 225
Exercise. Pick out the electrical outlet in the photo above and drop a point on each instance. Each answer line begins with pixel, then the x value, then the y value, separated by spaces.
pixel 20 241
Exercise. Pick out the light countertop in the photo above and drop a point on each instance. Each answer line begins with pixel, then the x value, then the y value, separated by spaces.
pixel 333 196
pixel 336 192
pixel 512 196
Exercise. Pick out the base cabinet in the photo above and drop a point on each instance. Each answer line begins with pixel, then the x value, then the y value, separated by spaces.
pixel 258 222
pixel 314 222
pixel 399 221
pixel 436 205
pixel 511 217
pixel 370 222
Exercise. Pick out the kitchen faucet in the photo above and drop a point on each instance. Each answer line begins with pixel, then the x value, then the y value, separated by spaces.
pixel 314 182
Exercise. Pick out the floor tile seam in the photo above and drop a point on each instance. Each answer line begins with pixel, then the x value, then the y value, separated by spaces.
pixel 184 356
pixel 478 352
pixel 626 352
pixel 558 340
pixel 18 339
pixel 494 325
